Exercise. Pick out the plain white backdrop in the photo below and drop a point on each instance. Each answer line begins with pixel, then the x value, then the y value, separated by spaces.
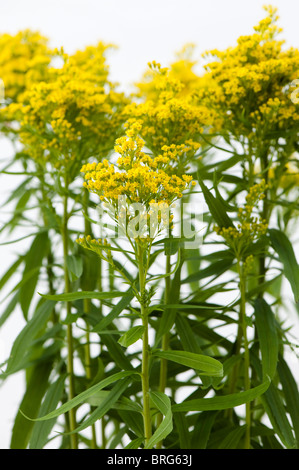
pixel 143 31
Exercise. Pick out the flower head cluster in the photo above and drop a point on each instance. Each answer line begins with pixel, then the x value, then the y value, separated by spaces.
pixel 137 175
pixel 170 117
pixel 73 115
pixel 250 228
pixel 24 59
pixel 180 75
pixel 249 89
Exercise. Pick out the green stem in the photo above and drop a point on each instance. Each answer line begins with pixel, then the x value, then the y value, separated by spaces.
pixel 70 347
pixel 165 343
pixel 86 306
pixel 242 277
pixel 145 349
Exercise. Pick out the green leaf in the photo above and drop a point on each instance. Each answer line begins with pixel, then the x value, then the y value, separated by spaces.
pixel 82 397
pixel 72 296
pixel 291 393
pixel 182 430
pixel 202 429
pixel 5 278
pixel 268 338
pixel 131 336
pixel 276 412
pixel 74 267
pixel 134 422
pixel 206 364
pixel 116 352
pixel 222 402
pixel 33 262
pixel 163 404
pixel 216 207
pixel 285 251
pixel 135 444
pixel 122 404
pixel 105 406
pixel 25 338
pixel 232 438
pixel 30 404
pixel 42 429
pixel 9 309
pixel 115 312
pixel 215 269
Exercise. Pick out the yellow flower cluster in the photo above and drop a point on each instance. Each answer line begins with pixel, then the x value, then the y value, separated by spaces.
pixel 24 59
pixel 72 115
pixel 136 175
pixel 249 84
pixel 250 227
pixel 180 73
pixel 170 117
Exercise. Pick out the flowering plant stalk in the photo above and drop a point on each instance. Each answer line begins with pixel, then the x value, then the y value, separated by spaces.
pixel 159 288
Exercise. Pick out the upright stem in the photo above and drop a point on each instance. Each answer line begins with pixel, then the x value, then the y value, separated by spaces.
pixel 265 215
pixel 165 343
pixel 242 277
pixel 70 348
pixel 86 305
pixel 145 350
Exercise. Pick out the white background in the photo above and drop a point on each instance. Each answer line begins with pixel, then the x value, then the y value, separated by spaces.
pixel 143 31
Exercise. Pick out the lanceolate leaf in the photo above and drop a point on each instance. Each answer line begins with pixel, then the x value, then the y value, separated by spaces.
pixel 82 397
pixel 23 341
pixel 30 404
pixel 72 296
pixel 268 338
pixel 163 404
pixel 131 336
pixel 216 207
pixel 41 430
pixel 206 364
pixel 291 393
pixel 33 261
pixel 285 251
pixel 106 405
pixel 222 402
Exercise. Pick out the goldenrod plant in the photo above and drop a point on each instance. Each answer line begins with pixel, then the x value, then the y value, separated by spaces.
pixel 139 333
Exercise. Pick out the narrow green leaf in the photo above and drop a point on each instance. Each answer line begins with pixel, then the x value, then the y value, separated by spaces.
pixel 216 207
pixel 115 312
pixel 82 397
pixel 291 393
pixel 131 336
pixel 207 364
pixel 11 270
pixel 182 430
pixel 42 429
pixel 72 296
pixel 9 309
pixel 105 406
pixel 74 266
pixel 30 404
pixel 285 251
pixel 33 262
pixel 116 352
pixel 26 336
pixel 215 269
pixel 134 422
pixel 163 404
pixel 222 402
pixel 276 412
pixel 268 338
pixel 122 404
pixel 135 444
pixel 202 429
pixel 233 438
